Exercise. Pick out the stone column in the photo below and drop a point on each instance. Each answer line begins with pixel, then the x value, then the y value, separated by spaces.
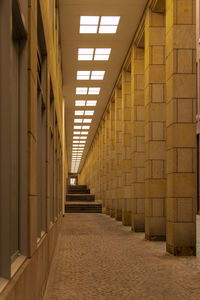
pixel 107 162
pixel 138 147
pixel 155 126
pixel 112 159
pixel 181 135
pixel 103 163
pixel 118 154
pixel 126 148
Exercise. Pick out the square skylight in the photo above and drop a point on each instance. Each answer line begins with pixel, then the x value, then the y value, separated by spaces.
pixel 110 20
pixel 77 127
pixel 85 53
pixel 83 137
pixel 89 20
pixel 84 132
pixel 97 75
pixel 91 103
pixel 79 112
pixel 76 132
pixel 83 75
pixel 94 91
pixel 91 24
pixel 81 90
pixel 82 142
pixel 85 127
pixel 102 53
pixel 78 120
pixel 89 112
pixel 88 29
pixel 87 120
pixel 107 29
pixel 80 103
pixel 75 137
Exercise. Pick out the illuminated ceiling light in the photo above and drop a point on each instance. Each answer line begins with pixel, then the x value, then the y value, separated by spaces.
pixel 94 91
pixel 75 137
pixel 97 75
pixel 91 103
pixel 83 75
pixel 78 120
pixel 89 112
pixel 82 142
pixel 83 137
pixel 76 132
pixel 81 90
pixel 85 53
pixel 79 112
pixel 85 127
pixel 110 20
pixel 79 103
pixel 87 120
pixel 77 127
pixel 84 132
pixel 75 148
pixel 102 53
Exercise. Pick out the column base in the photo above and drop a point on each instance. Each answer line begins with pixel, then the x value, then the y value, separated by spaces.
pixel 118 215
pixel 126 218
pixel 155 237
pixel 112 213
pixel 138 223
pixel 181 251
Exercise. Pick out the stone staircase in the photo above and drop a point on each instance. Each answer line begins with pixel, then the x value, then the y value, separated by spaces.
pixel 79 200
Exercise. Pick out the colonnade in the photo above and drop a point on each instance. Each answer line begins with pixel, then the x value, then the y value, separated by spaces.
pixel 142 162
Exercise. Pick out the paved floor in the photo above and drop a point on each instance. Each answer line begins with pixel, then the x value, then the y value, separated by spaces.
pixel 97 258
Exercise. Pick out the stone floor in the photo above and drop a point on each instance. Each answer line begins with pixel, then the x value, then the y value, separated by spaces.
pixel 97 258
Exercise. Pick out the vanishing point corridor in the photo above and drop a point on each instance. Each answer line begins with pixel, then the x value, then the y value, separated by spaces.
pixel 99 259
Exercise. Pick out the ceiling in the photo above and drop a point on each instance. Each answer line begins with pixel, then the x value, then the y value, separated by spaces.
pixel 130 12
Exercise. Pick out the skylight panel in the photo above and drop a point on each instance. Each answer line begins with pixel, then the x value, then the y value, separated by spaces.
pixel 85 127
pixel 89 20
pixel 83 137
pixel 84 132
pixel 83 75
pixel 76 132
pixel 89 112
pixel 102 53
pixel 94 91
pixel 80 103
pixel 107 29
pixel 81 90
pixel 85 53
pixel 87 120
pixel 77 127
pixel 75 137
pixel 110 20
pixel 82 142
pixel 78 120
pixel 88 29
pixel 91 103
pixel 97 75
pixel 79 112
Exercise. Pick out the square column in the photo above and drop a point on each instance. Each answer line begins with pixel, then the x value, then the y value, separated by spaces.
pixel 138 132
pixel 126 148
pixel 155 127
pixel 107 162
pixel 112 159
pixel 118 154
pixel 181 127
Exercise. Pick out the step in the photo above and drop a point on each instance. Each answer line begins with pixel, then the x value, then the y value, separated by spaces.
pixel 73 191
pixel 80 197
pixel 77 187
pixel 79 207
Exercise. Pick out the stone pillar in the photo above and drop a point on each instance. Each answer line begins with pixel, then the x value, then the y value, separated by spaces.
pixel 126 148
pixel 103 162
pixel 155 126
pixel 181 137
pixel 138 147
pixel 107 162
pixel 112 159
pixel 118 154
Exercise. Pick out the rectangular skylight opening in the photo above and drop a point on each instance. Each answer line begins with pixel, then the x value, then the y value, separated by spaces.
pixel 87 120
pixel 103 51
pixel 82 142
pixel 84 132
pixel 79 112
pixel 83 75
pixel 97 75
pixel 78 120
pixel 79 103
pixel 76 132
pixel 86 127
pixel 94 91
pixel 107 29
pixel 85 51
pixel 89 20
pixel 110 20
pixel 83 137
pixel 75 137
pixel 91 103
pixel 77 127
pixel 89 112
pixel 81 90
pixel 85 57
pixel 88 29
pixel 101 57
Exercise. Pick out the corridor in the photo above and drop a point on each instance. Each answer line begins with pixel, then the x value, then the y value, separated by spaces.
pixel 97 258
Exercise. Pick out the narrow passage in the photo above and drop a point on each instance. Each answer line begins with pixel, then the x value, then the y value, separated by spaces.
pixel 99 259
